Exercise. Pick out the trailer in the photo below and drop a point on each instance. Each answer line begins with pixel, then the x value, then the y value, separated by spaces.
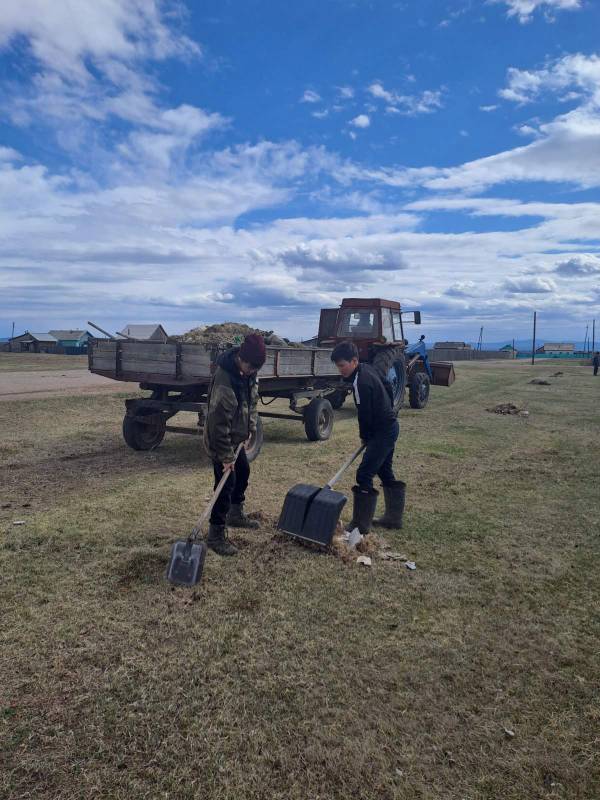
pixel 178 375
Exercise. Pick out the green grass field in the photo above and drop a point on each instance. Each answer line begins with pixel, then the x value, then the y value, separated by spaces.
pixel 288 673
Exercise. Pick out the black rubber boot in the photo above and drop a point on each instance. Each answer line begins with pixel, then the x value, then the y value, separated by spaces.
pixel 395 496
pixel 237 519
pixel 218 541
pixel 365 503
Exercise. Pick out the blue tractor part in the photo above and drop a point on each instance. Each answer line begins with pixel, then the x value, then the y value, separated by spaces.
pixel 420 349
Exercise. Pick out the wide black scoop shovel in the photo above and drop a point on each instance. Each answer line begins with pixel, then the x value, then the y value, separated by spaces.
pixel 311 513
pixel 187 555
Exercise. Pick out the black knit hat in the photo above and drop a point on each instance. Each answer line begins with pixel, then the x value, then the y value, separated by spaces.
pixel 253 350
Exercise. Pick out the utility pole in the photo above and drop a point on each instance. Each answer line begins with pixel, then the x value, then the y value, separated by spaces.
pixel 593 336
pixel 480 341
pixel 533 347
pixel 514 355
pixel 585 341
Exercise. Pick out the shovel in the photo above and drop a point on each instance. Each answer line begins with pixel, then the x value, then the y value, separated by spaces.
pixel 311 513
pixel 187 555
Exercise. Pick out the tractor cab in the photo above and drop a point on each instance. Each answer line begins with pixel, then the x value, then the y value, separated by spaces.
pixel 369 323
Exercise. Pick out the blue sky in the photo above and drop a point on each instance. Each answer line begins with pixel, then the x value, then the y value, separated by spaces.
pixel 186 163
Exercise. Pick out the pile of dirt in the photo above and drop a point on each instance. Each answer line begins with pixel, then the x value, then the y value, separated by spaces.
pixel 230 333
pixel 508 408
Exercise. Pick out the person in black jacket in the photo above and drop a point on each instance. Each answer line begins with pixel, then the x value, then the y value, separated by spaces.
pixel 596 362
pixel 378 428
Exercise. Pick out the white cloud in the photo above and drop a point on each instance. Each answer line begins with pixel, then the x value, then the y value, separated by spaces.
pixel 463 289
pixel 526 285
pixel 9 154
pixel 339 258
pixel 376 89
pixel 90 66
pixel 580 266
pixel 409 104
pixel 62 35
pixel 320 114
pixel 361 121
pixel 345 92
pixel 310 97
pixel 488 109
pixel 577 72
pixel 523 9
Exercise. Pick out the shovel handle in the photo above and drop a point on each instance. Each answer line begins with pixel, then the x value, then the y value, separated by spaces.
pixel 214 498
pixel 345 466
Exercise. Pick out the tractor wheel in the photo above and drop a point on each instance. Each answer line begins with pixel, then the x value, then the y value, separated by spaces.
pixel 418 390
pixel 256 441
pixel 140 436
pixel 318 420
pixel 390 364
pixel 337 398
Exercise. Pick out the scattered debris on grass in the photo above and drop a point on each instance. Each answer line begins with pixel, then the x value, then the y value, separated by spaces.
pixel 556 374
pixel 364 560
pixel 388 555
pixel 509 734
pixel 508 408
pixel 353 538
pixel 410 565
pixel 540 382
pixel 19 522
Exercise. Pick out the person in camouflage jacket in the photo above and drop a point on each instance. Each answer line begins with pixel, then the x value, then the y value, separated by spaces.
pixel 230 420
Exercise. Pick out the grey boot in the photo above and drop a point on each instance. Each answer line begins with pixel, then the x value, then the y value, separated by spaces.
pixel 395 495
pixel 237 519
pixel 218 541
pixel 365 503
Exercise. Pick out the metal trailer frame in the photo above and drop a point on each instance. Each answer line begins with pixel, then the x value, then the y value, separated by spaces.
pixel 308 404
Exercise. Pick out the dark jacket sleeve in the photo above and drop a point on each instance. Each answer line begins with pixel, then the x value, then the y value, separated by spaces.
pixel 365 409
pixel 253 410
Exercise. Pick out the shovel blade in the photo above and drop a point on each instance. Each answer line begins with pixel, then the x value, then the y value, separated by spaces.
pixel 186 563
pixel 311 513
pixel 295 508
pixel 323 515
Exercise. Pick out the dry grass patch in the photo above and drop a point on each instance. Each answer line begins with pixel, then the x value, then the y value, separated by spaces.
pixel 288 673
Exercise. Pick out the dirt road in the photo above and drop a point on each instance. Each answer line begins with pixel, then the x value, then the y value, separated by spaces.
pixel 54 383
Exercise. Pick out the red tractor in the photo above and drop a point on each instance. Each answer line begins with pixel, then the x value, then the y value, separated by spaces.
pixel 377 329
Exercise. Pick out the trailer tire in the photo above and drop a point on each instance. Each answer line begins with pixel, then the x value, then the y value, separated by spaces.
pixel 256 441
pixel 418 390
pixel 143 437
pixel 318 419
pixel 337 398
pixel 390 364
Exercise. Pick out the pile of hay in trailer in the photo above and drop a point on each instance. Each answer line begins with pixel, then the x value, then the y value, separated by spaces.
pixel 230 333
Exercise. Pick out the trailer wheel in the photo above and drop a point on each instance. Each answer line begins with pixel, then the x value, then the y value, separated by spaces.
pixel 318 420
pixel 337 398
pixel 391 365
pixel 418 390
pixel 256 441
pixel 140 436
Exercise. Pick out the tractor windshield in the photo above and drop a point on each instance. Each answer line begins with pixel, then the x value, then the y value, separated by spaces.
pixel 357 323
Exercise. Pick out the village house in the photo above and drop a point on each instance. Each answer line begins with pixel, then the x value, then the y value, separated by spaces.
pixel 556 348
pixel 72 339
pixel 151 333
pixel 33 343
